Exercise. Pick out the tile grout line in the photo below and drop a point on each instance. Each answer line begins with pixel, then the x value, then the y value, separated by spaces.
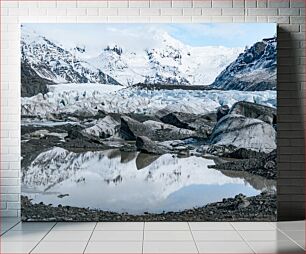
pixel 42 238
pixel 143 232
pixel 244 240
pixel 14 225
pixel 90 237
pixel 274 225
pixel 193 237
pixel 290 238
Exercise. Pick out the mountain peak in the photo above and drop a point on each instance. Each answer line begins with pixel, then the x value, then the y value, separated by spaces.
pixel 53 62
pixel 253 70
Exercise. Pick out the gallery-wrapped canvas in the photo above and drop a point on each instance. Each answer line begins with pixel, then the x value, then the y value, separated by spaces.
pixel 148 122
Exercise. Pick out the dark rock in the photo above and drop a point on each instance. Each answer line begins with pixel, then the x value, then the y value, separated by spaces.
pixel 130 129
pixel 31 82
pixel 231 151
pixel 262 165
pixel 254 110
pixel 222 111
pixel 76 140
pixel 243 132
pixel 202 124
pixel 146 145
pixel 141 117
pixel 63 195
pixel 74 134
pixel 128 148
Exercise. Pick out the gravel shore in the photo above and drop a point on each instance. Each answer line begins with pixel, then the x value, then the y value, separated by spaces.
pixel 240 208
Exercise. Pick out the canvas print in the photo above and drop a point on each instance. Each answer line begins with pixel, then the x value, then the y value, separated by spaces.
pixel 148 122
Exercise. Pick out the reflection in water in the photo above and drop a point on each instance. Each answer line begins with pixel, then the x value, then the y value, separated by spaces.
pixel 256 181
pixel 143 160
pixel 111 180
pixel 128 156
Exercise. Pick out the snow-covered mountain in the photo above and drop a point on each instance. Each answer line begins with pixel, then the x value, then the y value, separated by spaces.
pixel 253 70
pixel 53 62
pixel 172 62
pixel 169 62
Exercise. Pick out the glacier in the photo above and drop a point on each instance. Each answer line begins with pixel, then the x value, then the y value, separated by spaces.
pixel 87 100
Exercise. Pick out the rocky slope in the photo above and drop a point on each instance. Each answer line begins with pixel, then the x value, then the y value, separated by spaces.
pixel 31 82
pixel 253 70
pixel 52 62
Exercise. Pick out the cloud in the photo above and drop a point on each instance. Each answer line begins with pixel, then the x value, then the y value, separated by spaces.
pixel 137 37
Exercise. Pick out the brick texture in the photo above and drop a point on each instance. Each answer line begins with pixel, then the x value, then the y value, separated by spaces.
pixel 290 14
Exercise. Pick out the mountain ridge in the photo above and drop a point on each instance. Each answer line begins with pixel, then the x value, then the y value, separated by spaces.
pixel 52 62
pixel 253 70
pixel 171 62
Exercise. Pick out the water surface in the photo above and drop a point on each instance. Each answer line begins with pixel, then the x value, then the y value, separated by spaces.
pixel 133 182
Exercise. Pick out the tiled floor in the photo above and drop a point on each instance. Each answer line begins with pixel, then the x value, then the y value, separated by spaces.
pixel 152 237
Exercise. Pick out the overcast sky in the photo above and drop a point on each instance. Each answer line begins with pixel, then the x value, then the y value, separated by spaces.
pixel 134 36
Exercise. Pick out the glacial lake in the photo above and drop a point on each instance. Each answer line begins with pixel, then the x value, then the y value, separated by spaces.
pixel 133 182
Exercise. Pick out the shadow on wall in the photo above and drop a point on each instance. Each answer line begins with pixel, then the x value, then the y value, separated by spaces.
pixel 290 134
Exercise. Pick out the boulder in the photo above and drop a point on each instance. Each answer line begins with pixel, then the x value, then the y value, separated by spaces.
pixel 254 110
pixel 242 132
pixel 202 124
pixel 103 128
pixel 222 111
pixel 146 145
pixel 231 151
pixel 78 140
pixel 130 129
pixel 264 165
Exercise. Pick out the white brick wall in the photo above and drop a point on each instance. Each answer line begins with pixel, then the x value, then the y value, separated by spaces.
pixel 289 13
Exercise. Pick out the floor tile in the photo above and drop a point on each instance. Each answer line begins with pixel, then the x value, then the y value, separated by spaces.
pixel 33 226
pixel 276 247
pixel 114 247
pixel 9 220
pixel 297 235
pixel 69 236
pixel 120 226
pixel 169 247
pixel 17 247
pixel 273 235
pixel 101 236
pixel 253 226
pixel 5 226
pixel 22 236
pixel 166 226
pixel 211 226
pixel 291 225
pixel 60 247
pixel 223 247
pixel 216 236
pixel 69 226
pixel 168 236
